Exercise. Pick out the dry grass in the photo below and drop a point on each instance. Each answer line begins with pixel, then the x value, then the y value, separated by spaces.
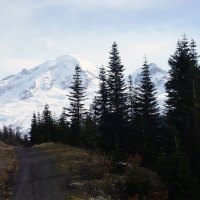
pixel 88 174
pixel 7 166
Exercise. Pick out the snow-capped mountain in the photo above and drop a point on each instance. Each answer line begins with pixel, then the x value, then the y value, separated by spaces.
pixel 28 91
pixel 159 78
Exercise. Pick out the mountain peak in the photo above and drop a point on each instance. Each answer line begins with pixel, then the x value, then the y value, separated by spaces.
pixel 156 73
pixel 67 61
pixel 27 91
pixel 153 68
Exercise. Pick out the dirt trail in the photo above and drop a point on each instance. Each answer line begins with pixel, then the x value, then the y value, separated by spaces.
pixel 37 178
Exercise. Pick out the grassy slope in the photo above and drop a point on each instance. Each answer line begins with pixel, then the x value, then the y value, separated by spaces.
pixel 88 175
pixel 7 166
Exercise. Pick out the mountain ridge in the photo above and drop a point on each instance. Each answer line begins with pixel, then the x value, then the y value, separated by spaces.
pixel 29 90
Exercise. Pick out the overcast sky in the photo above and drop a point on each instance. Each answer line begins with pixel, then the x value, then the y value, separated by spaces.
pixel 32 31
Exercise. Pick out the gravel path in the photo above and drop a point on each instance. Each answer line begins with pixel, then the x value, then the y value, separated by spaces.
pixel 37 178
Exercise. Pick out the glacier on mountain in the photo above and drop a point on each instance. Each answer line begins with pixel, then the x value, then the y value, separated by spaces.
pixel 29 90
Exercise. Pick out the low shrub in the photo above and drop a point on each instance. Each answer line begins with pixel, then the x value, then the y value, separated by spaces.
pixel 143 181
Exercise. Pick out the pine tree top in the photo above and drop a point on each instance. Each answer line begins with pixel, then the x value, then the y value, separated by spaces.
pixel 146 92
pixel 77 96
pixel 115 60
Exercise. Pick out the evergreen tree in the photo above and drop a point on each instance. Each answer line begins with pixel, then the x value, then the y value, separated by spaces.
pixel 116 101
pixel 182 105
pixel 183 100
pixel 40 127
pixel 195 98
pixel 76 111
pixel 63 120
pixel 47 125
pixel 90 135
pixel 100 108
pixel 131 98
pixel 175 169
pixel 63 130
pixel 132 142
pixel 10 136
pixel 39 118
pixel 18 139
pixel 34 130
pixel 94 110
pixel 5 132
pixel 102 98
pixel 116 85
pixel 46 118
pixel 147 116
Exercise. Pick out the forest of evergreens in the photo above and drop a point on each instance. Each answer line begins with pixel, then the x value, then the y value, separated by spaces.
pixel 125 120
pixel 13 137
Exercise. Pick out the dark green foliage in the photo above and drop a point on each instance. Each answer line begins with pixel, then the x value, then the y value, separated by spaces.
pixel 100 103
pixel 117 100
pixel 175 169
pixel 43 127
pixel 63 130
pixel 95 110
pixel 47 125
pixel 34 130
pixel 143 182
pixel 100 108
pixel 132 139
pixel 76 110
pixel 146 117
pixel 183 94
pixel 131 99
pixel 182 110
pixel 10 136
pixel 116 86
pixel 90 135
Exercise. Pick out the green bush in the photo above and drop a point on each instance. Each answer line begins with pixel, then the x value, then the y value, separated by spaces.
pixel 141 181
pixel 111 185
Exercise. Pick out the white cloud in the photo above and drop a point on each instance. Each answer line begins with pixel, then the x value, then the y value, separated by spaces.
pixel 35 30
pixel 122 4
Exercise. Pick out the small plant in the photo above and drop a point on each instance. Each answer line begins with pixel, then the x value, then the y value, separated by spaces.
pixel 111 185
pixel 143 181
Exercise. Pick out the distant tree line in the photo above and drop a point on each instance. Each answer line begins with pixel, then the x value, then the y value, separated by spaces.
pixel 12 137
pixel 125 119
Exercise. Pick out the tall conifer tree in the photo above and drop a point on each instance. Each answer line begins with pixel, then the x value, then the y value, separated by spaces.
pixel 63 130
pixel 34 130
pixel 117 100
pixel 131 98
pixel 183 100
pixel 132 142
pixel 147 115
pixel 102 96
pixel 76 111
pixel 47 125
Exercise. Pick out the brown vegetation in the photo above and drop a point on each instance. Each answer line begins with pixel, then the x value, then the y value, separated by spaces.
pixel 88 174
pixel 8 165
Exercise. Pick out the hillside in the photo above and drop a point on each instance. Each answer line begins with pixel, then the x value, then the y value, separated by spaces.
pixel 73 173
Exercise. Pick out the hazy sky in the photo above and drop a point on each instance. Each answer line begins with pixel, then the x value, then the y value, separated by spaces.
pixel 32 31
